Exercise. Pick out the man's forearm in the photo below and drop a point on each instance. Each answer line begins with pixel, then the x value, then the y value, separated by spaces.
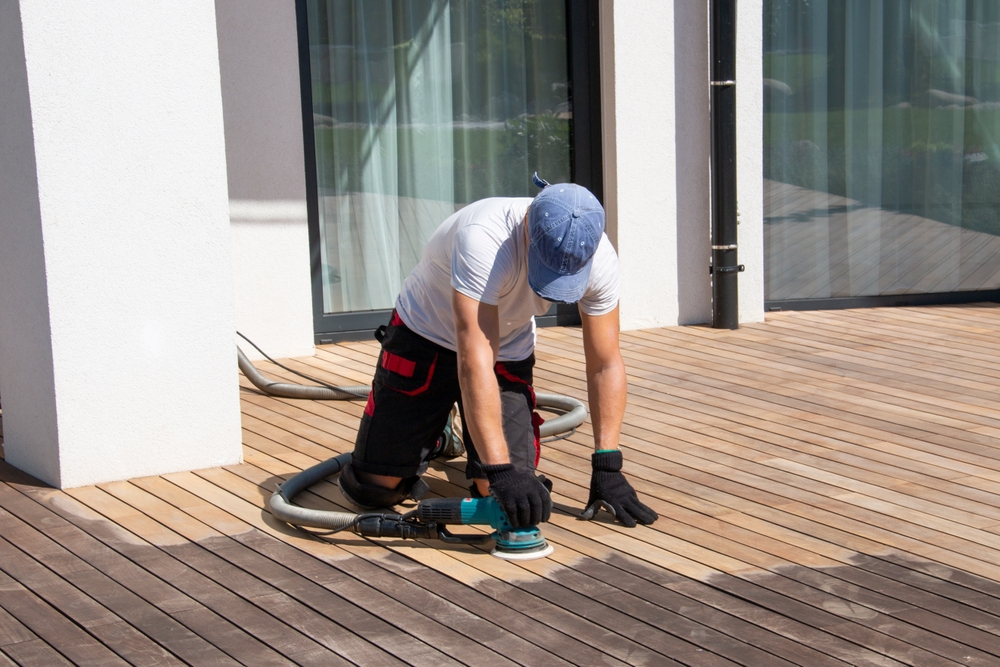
pixel 607 387
pixel 481 403
pixel 607 384
pixel 606 390
pixel 477 334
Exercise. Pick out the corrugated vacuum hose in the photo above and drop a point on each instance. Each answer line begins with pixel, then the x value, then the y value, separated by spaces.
pixel 572 413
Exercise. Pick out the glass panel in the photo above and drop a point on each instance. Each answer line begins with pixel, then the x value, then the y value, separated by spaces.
pixel 421 107
pixel 881 155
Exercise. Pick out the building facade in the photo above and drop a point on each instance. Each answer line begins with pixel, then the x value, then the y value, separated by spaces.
pixel 172 173
pixel 411 110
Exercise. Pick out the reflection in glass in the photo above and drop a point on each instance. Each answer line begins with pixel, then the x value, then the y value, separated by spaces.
pixel 421 107
pixel 881 147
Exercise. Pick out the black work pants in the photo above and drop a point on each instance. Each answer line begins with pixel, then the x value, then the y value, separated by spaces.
pixel 413 391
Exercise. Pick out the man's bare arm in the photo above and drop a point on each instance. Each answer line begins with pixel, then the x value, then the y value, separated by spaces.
pixel 607 385
pixel 477 333
pixel 606 388
pixel 523 499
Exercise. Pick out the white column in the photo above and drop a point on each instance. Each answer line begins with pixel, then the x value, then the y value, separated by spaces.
pixel 116 306
pixel 637 52
pixel 657 148
pixel 262 107
pixel 750 155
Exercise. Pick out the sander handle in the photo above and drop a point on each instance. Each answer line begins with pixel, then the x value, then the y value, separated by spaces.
pixel 392 525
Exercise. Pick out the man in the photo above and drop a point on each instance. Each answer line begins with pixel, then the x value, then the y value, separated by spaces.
pixel 463 330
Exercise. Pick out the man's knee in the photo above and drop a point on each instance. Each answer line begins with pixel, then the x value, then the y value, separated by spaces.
pixel 368 494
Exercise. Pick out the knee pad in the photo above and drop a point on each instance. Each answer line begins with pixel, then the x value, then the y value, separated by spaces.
pixel 373 496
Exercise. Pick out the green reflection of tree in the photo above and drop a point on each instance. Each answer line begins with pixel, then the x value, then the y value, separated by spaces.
pixel 510 15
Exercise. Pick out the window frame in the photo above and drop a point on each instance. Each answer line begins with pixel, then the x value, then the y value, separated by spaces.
pixel 585 160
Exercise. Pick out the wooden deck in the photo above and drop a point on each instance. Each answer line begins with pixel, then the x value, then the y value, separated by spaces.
pixel 828 485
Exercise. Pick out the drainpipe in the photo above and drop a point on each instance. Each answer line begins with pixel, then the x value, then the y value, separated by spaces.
pixel 724 268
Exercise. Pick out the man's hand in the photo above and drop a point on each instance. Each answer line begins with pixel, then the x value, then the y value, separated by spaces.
pixel 520 494
pixel 609 489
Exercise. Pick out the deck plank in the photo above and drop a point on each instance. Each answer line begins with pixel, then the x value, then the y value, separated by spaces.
pixel 262 609
pixel 717 642
pixel 196 635
pixel 49 623
pixel 307 419
pixel 103 624
pixel 34 652
pixel 679 626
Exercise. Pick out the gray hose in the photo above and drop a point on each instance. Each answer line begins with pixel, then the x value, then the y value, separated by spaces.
pixel 573 411
pixel 286 390
pixel 282 507
pixel 573 414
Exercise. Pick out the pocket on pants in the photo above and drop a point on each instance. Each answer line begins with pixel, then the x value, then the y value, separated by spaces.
pixel 407 363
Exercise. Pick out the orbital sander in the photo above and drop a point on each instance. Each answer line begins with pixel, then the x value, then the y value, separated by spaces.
pixel 429 520
pixel 431 516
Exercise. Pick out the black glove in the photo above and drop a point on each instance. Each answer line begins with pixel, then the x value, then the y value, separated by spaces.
pixel 474 490
pixel 521 495
pixel 609 489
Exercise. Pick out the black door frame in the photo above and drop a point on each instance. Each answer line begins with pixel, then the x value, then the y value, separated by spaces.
pixel 585 160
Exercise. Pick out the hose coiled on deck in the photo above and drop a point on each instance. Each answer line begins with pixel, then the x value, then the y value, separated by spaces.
pixel 573 414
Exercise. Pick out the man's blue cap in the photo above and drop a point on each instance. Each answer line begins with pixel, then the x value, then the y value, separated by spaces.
pixel 565 224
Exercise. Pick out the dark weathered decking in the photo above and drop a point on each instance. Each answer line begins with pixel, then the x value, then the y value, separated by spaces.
pixel 828 485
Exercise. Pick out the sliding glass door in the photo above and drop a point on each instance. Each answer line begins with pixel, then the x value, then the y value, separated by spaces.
pixel 881 148
pixel 419 107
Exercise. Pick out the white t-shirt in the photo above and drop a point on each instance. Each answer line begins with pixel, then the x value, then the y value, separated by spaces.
pixel 482 251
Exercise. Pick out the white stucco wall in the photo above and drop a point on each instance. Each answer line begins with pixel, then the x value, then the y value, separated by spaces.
pixel 126 240
pixel 271 276
pixel 750 155
pixel 693 137
pixel 262 107
pixel 657 149
pixel 637 84
pixel 27 383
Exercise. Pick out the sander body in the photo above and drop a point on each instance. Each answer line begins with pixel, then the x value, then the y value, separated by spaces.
pixel 432 516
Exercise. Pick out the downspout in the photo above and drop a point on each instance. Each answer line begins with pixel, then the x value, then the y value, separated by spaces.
pixel 724 267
